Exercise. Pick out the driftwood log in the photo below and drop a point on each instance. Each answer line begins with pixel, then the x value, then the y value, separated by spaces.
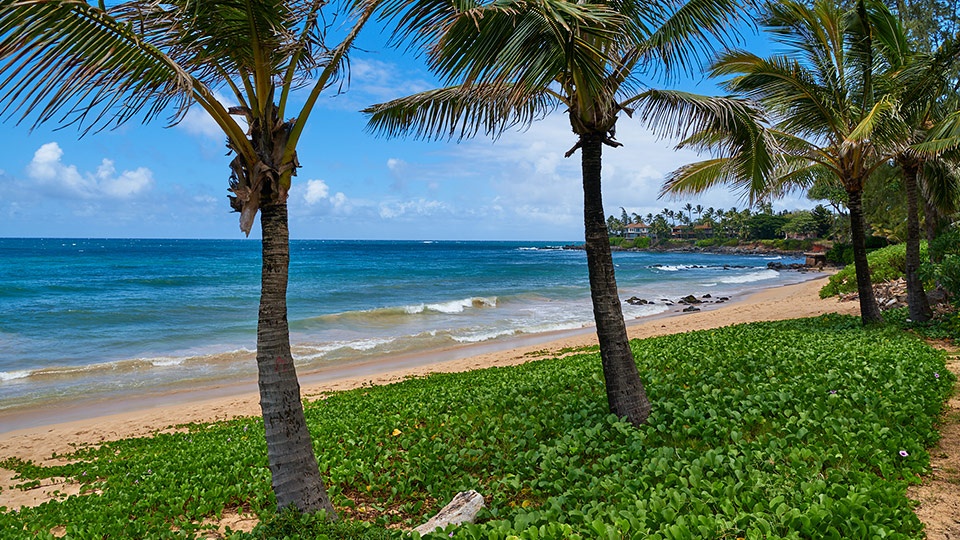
pixel 462 509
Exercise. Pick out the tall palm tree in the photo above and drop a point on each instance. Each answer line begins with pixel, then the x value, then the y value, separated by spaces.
pixel 68 62
pixel 925 98
pixel 821 109
pixel 511 62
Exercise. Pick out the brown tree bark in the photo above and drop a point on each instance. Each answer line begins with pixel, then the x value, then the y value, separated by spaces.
pixel 626 395
pixel 917 303
pixel 293 465
pixel 869 311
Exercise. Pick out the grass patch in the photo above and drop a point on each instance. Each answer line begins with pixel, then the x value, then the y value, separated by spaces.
pixel 797 429
pixel 886 264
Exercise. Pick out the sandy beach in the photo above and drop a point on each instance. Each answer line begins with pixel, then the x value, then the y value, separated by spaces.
pixel 41 443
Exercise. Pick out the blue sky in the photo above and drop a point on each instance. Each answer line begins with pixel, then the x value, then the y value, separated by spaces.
pixel 152 181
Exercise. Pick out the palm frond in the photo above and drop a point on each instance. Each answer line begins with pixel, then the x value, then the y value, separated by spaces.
pixel 940 184
pixel 698 177
pixel 881 125
pixel 66 61
pixel 943 137
pixel 530 46
pixel 686 37
pixel 457 112
pixel 675 114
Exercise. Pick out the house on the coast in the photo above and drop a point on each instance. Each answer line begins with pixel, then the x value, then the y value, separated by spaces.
pixel 703 231
pixel 637 230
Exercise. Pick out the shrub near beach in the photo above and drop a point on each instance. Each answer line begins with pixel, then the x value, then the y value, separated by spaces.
pixel 800 429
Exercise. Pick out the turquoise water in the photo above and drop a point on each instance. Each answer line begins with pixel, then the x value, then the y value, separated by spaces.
pixel 80 317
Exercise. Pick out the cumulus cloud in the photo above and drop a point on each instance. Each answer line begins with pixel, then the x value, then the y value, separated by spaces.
pixel 49 171
pixel 318 193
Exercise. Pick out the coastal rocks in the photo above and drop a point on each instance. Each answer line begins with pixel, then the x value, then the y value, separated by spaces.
pixel 780 266
pixel 462 509
pixel 690 300
pixel 889 295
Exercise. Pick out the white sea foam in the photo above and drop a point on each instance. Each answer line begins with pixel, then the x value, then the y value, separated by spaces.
pixel 165 361
pixel 453 306
pixel 13 375
pixel 708 285
pixel 635 312
pixel 553 327
pixel 368 344
pixel 777 258
pixel 477 337
pixel 751 277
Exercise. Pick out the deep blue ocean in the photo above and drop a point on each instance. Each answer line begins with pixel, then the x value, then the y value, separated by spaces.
pixel 85 316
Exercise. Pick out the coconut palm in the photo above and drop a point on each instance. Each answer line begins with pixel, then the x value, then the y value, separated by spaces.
pixel 69 62
pixel 926 96
pixel 511 62
pixel 822 109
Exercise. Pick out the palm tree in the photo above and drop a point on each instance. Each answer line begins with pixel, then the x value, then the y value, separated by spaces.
pixel 824 111
pixel 69 62
pixel 511 62
pixel 689 208
pixel 925 96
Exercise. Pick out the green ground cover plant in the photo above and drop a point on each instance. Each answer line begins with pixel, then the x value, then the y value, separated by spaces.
pixel 810 428
pixel 886 264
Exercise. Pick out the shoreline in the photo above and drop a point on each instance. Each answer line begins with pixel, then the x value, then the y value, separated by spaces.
pixel 95 424
pixel 104 403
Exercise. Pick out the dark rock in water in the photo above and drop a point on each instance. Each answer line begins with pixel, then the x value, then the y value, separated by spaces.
pixel 706 296
pixel 780 266
pixel 689 309
pixel 724 298
pixel 690 299
pixel 634 301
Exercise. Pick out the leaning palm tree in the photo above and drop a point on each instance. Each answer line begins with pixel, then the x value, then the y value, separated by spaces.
pixel 69 62
pixel 510 62
pixel 821 110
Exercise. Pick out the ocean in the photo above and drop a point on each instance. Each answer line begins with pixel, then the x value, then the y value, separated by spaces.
pixel 96 317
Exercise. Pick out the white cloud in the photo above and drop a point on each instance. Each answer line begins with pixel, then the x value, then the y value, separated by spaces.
pixel 318 193
pixel 317 190
pixel 47 169
pixel 417 207
pixel 395 164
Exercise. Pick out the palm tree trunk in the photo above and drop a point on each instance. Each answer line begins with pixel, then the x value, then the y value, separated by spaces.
pixel 869 312
pixel 626 396
pixel 293 465
pixel 917 303
pixel 930 221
